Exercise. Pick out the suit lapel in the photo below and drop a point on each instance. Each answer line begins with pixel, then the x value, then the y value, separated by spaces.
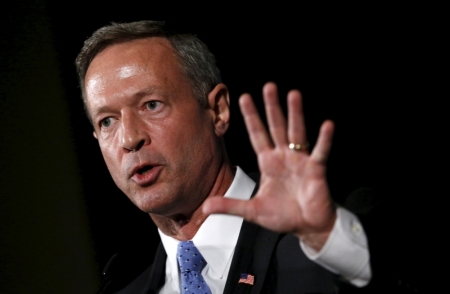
pixel 252 255
pixel 150 280
pixel 263 254
pixel 158 270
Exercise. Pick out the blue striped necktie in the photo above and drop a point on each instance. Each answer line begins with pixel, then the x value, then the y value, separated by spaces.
pixel 191 263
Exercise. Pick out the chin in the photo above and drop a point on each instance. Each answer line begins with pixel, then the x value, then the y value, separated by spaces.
pixel 155 204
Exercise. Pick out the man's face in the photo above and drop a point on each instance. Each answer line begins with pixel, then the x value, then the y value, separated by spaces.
pixel 159 144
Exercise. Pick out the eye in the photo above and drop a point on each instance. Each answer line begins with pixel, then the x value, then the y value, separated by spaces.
pixel 106 122
pixel 152 105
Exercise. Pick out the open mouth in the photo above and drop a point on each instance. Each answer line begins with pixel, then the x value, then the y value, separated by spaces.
pixel 145 169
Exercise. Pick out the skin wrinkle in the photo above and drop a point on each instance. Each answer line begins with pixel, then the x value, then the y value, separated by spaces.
pixel 180 137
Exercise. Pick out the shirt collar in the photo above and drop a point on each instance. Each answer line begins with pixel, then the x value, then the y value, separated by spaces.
pixel 217 236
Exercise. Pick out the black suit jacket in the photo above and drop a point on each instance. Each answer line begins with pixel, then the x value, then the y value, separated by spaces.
pixel 276 261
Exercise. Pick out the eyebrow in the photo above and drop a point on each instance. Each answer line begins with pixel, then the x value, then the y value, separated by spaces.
pixel 135 97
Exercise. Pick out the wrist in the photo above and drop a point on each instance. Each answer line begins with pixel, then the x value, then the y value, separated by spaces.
pixel 316 238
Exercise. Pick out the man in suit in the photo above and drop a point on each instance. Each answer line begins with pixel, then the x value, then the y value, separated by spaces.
pixel 159 111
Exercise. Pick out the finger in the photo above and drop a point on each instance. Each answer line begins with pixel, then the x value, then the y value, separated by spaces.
pixel 322 149
pixel 275 116
pixel 229 206
pixel 256 130
pixel 296 127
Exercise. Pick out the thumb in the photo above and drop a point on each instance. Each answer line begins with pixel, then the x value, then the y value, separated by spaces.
pixel 226 206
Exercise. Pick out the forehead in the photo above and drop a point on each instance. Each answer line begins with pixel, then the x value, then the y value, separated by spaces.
pixel 154 51
pixel 122 69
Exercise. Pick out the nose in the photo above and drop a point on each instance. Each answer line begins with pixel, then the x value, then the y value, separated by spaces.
pixel 134 135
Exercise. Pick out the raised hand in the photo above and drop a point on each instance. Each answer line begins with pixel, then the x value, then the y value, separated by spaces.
pixel 293 195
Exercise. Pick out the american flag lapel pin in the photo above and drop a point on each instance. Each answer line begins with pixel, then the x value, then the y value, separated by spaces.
pixel 247 279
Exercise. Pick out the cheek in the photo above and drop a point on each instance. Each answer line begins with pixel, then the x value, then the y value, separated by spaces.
pixel 107 152
pixel 196 147
pixel 110 146
pixel 112 160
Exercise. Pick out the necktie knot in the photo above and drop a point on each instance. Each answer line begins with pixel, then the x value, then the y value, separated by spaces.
pixel 191 263
pixel 189 258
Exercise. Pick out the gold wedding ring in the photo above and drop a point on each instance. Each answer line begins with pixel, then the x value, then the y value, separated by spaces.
pixel 299 147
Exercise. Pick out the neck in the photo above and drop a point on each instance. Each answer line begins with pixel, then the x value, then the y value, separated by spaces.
pixel 184 227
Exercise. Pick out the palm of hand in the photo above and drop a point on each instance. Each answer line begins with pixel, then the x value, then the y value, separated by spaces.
pixel 293 194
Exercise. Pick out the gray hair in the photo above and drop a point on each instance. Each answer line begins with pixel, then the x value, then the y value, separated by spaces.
pixel 196 61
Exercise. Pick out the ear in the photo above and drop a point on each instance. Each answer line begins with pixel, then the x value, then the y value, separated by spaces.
pixel 95 135
pixel 219 103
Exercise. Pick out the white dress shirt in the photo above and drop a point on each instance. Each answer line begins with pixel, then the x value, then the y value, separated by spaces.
pixel 344 253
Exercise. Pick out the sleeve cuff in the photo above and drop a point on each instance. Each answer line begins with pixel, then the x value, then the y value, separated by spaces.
pixel 345 252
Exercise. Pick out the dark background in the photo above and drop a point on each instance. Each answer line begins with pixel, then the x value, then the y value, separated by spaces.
pixel 61 216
